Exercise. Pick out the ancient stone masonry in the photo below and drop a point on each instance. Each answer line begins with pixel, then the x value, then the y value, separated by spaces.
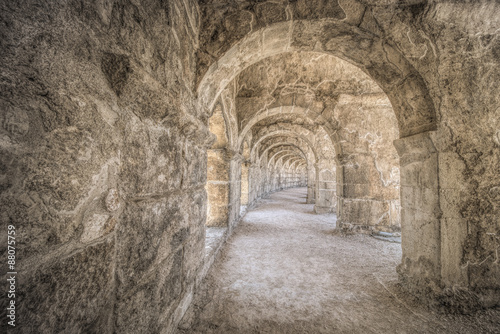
pixel 132 132
pixel 103 162
pixel 437 63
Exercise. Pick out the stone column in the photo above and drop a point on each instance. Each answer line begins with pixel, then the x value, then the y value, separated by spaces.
pixel 254 181
pixel 244 185
pixel 326 192
pixel 266 182
pixel 420 268
pixel 234 186
pixel 218 166
pixel 365 203
pixel 311 184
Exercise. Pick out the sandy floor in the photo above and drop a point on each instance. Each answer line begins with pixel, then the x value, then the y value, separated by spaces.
pixel 284 270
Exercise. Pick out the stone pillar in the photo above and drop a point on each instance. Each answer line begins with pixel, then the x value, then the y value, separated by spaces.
pixel 234 187
pixel 420 269
pixel 244 185
pixel 271 184
pixel 279 178
pixel 254 181
pixel 218 181
pixel 266 182
pixel 326 192
pixel 311 184
pixel 365 203
pixel 454 227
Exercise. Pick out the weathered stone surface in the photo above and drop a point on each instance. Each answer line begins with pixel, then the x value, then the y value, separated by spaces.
pixel 97 114
pixel 84 279
pixel 123 122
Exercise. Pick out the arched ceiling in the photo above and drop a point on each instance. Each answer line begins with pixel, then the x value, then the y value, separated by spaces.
pixel 413 106
pixel 285 143
pixel 302 95
pixel 310 80
pixel 318 99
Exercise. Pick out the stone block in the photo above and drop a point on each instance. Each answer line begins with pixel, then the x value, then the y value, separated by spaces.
pixel 365 212
pixel 148 234
pixel 217 165
pixel 72 293
pixel 317 9
pixel 453 235
pixel 145 306
pixel 424 200
pixel 218 215
pixel 451 171
pixel 218 193
pixel 450 202
pixel 421 239
pixel 276 39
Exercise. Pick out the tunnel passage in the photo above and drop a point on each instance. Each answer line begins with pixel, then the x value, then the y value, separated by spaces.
pixel 333 124
pixel 435 264
pixel 104 135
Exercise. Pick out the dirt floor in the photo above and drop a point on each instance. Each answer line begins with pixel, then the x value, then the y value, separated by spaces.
pixel 285 270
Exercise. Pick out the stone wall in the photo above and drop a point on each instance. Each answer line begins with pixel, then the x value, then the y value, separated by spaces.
pixel 103 162
pixel 455 48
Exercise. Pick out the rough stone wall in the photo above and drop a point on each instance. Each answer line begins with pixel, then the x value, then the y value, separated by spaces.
pixel 103 162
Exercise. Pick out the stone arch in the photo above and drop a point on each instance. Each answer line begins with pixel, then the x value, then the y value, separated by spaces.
pixel 310 114
pixel 287 175
pixel 282 133
pixel 297 177
pixel 322 89
pixel 388 67
pixel 325 191
pixel 278 154
pixel 306 150
pixel 319 142
pixel 309 179
pixel 260 184
pixel 403 85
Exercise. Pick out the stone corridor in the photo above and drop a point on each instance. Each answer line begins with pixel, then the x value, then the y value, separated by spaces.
pixel 138 137
pixel 287 270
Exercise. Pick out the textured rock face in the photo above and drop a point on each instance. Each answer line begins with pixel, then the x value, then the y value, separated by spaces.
pixel 103 162
pixel 106 148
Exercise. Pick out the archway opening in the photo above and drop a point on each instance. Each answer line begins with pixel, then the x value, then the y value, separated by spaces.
pixel 413 109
